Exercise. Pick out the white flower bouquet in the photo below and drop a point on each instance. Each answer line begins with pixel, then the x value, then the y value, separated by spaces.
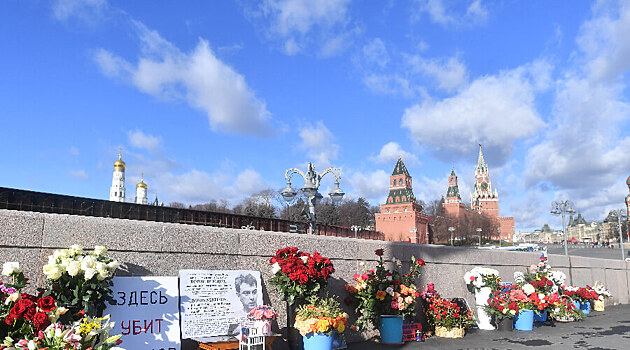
pixel 480 277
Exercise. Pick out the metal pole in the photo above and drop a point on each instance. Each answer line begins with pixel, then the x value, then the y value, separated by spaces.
pixel 564 230
pixel 311 213
pixel 623 254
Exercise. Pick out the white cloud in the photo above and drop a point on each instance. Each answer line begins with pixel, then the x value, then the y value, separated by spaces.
pixel 605 42
pixel 447 16
pixel 198 77
pixel 391 151
pixel 390 84
pixel 493 110
pixel 375 52
pixel 144 141
pixel 372 186
pixel 79 174
pixel 86 10
pixel 584 156
pixel 319 143
pixel 449 74
pixel 302 23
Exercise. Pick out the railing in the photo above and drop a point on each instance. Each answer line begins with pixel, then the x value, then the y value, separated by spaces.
pixel 23 200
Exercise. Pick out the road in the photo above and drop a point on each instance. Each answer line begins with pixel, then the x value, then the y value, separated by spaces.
pixel 599 330
pixel 586 251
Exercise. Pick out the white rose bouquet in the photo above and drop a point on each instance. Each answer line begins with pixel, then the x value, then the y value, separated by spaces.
pixel 480 277
pixel 80 280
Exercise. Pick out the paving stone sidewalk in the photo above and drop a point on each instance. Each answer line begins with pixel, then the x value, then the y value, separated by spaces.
pixel 598 331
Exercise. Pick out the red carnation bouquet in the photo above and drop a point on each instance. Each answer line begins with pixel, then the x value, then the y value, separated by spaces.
pixel 448 314
pixel 299 274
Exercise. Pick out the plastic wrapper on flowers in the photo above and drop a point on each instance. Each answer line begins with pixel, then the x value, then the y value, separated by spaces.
pixel 480 277
pixel 299 274
pixel 320 315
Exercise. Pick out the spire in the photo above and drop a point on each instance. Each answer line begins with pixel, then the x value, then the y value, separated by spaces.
pixel 481 162
pixel 400 168
pixel 453 172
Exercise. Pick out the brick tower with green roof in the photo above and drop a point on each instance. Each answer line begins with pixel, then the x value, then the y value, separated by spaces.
pixel 401 217
pixel 453 205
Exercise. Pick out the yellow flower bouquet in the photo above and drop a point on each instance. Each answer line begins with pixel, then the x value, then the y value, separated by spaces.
pixel 320 315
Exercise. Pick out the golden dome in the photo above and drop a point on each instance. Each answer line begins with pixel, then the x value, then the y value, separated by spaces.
pixel 119 163
pixel 141 184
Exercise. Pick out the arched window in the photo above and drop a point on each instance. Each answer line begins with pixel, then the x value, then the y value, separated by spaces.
pixel 390 200
pixel 400 181
pixel 397 199
pixel 404 198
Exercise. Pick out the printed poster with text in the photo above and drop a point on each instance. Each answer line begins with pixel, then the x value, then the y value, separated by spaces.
pixel 215 302
pixel 146 312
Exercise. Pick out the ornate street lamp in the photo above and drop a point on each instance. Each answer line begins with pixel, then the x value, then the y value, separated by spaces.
pixel 451 229
pixel 620 213
pixel 311 189
pixel 558 208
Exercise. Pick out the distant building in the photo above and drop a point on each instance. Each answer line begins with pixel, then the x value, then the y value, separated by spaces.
pixel 486 201
pixel 401 218
pixel 453 205
pixel 141 192
pixel 117 191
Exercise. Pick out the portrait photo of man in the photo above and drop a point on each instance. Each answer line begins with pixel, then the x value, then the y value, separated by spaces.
pixel 247 291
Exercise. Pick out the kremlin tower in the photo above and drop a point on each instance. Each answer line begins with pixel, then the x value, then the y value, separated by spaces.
pixel 483 200
pixel 117 191
pixel 141 192
pixel 401 218
pixel 453 205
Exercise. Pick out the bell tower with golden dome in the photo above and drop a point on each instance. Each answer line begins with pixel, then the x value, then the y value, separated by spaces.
pixel 141 192
pixel 117 191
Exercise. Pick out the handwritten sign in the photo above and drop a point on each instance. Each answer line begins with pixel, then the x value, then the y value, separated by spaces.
pixel 146 312
pixel 216 302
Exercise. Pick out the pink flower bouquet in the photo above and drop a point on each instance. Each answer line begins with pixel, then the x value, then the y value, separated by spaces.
pixel 263 312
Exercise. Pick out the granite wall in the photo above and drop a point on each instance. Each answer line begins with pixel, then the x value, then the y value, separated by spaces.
pixel 161 249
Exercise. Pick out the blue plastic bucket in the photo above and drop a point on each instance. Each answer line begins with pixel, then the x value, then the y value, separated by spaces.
pixel 318 341
pixel 576 304
pixel 524 320
pixel 391 329
pixel 542 317
pixel 585 307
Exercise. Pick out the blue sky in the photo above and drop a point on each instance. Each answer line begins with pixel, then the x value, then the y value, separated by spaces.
pixel 216 99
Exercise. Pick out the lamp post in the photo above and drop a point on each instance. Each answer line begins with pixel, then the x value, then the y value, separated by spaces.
pixel 500 239
pixel 356 229
pixel 619 213
pixel 451 229
pixel 563 207
pixel 311 187
pixel 479 234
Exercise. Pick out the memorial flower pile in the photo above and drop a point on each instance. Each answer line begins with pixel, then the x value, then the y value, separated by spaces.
pixel 299 274
pixel 448 314
pixel 502 305
pixel 384 292
pixel 320 315
pixel 480 277
pixel 565 310
pixel 602 292
pixel 263 312
pixel 32 322
pixel 80 280
pixel 581 294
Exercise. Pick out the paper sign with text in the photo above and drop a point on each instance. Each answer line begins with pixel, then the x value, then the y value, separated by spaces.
pixel 215 302
pixel 146 312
